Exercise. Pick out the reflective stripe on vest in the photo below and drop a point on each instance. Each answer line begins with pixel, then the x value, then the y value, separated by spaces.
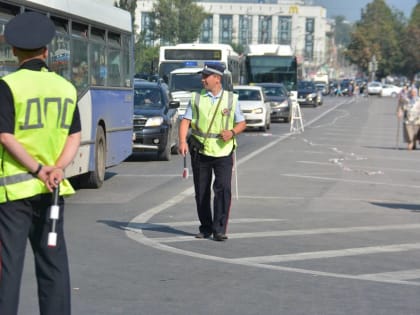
pixel 203 112
pixel 44 111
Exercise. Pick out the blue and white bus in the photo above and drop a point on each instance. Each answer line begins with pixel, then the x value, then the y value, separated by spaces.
pixel 195 55
pixel 93 48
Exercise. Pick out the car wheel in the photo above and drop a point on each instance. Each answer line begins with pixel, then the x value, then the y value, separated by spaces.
pixel 165 154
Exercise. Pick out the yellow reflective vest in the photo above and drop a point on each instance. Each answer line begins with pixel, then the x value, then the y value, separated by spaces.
pixel 202 114
pixel 44 106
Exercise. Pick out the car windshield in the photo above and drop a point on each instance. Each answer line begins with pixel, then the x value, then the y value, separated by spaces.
pixel 306 85
pixel 274 91
pixel 147 98
pixel 248 95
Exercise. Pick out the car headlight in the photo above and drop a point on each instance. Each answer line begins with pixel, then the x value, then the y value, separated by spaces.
pixel 257 111
pixel 154 121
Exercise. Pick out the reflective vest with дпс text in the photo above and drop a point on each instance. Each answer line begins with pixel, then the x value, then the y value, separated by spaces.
pixel 202 114
pixel 44 105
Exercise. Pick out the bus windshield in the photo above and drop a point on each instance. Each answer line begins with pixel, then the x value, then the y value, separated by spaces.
pixel 261 69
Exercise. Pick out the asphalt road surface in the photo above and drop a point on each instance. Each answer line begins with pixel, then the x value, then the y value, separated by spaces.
pixel 324 222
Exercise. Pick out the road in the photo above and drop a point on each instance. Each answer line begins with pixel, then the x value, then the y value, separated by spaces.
pixel 326 222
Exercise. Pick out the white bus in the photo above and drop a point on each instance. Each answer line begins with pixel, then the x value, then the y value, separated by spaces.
pixel 93 48
pixel 195 55
pixel 271 63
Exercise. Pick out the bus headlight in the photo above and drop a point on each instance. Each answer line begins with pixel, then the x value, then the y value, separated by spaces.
pixel 154 121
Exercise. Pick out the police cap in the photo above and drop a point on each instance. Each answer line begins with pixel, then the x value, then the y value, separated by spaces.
pixel 213 68
pixel 29 31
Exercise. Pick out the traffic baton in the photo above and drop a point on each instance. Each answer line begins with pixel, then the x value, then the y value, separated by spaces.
pixel 397 145
pixel 235 169
pixel 54 215
pixel 185 171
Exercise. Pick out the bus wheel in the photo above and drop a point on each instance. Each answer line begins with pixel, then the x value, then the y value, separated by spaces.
pixel 95 179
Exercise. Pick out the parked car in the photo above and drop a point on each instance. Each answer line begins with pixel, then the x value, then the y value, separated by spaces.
pixel 254 106
pixel 155 119
pixel 308 94
pixel 277 96
pixel 374 88
pixel 390 90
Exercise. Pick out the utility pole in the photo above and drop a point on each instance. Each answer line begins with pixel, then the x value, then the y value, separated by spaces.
pixel 373 67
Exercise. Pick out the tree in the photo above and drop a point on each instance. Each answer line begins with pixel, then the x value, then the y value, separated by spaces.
pixel 177 21
pixel 410 44
pixel 377 34
pixel 342 30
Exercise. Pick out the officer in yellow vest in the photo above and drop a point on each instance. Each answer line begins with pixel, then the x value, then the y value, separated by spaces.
pixel 39 137
pixel 215 119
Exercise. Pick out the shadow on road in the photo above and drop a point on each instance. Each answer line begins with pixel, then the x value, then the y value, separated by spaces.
pixel 145 227
pixel 398 206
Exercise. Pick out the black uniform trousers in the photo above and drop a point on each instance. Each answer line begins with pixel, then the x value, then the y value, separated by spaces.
pixel 203 167
pixel 29 219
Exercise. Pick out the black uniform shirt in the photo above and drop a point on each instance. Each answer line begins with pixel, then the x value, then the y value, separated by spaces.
pixel 7 108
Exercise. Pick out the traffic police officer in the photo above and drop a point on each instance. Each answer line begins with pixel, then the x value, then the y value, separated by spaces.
pixel 39 137
pixel 215 119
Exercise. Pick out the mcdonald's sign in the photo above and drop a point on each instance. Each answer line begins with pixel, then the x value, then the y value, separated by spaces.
pixel 293 9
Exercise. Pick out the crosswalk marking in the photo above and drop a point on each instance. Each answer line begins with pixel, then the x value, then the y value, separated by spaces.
pixel 153 225
pixel 332 253
pixel 393 275
pixel 289 232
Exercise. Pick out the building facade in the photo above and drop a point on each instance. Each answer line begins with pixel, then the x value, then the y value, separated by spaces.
pixel 290 22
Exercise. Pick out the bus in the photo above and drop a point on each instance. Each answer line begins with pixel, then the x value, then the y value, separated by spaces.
pixel 195 55
pixel 271 63
pixel 93 48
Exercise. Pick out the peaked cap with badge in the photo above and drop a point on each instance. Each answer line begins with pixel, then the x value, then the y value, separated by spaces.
pixel 213 68
pixel 29 31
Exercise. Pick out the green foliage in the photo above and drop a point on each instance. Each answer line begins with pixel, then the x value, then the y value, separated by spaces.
pixel 177 21
pixel 410 44
pixel 379 33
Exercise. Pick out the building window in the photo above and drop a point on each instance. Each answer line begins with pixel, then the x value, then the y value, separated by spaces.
pixel 225 26
pixel 206 35
pixel 245 29
pixel 285 30
pixel 146 29
pixel 309 38
pixel 264 34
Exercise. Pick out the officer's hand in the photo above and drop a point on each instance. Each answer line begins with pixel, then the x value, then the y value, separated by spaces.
pixel 226 135
pixel 183 148
pixel 55 176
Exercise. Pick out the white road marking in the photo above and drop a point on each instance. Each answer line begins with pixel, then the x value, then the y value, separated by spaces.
pixel 287 233
pixel 364 166
pixel 137 234
pixel 394 275
pixel 153 225
pixel 354 181
pixel 333 253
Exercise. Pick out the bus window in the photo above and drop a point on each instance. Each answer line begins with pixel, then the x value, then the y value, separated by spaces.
pixel 8 62
pixel 97 57
pixel 80 68
pixel 59 56
pixel 126 65
pixel 114 60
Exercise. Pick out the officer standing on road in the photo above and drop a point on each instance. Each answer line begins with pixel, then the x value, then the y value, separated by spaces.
pixel 39 137
pixel 215 119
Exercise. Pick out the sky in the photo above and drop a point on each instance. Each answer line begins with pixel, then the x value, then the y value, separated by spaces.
pixel 351 8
